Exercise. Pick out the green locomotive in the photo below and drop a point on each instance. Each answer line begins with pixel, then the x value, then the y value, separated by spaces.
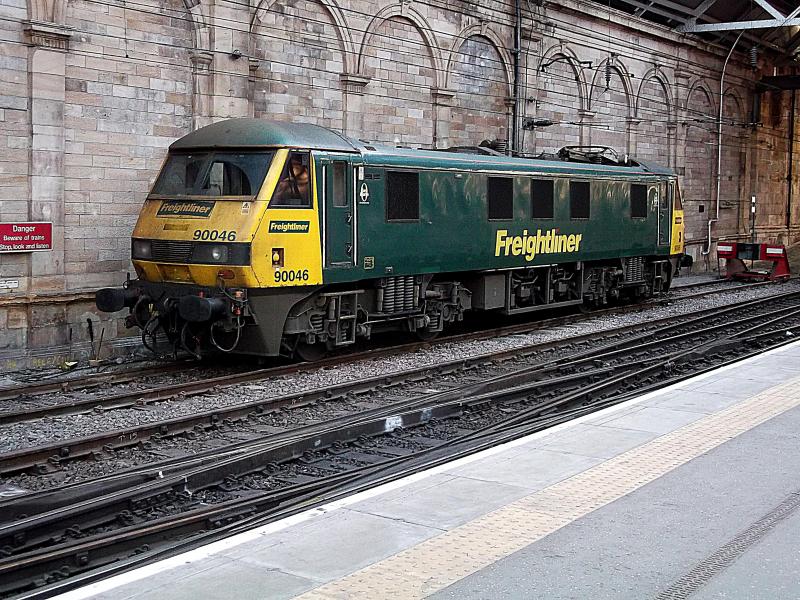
pixel 264 238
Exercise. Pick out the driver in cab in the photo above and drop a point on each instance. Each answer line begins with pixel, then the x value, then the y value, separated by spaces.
pixel 293 186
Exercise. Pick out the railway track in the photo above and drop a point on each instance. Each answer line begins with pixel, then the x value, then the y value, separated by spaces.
pixel 95 447
pixel 75 533
pixel 20 402
pixel 712 287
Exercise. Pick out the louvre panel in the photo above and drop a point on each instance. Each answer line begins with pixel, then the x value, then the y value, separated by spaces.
pixel 172 251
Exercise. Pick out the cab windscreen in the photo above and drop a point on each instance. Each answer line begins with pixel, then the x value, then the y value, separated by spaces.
pixel 213 174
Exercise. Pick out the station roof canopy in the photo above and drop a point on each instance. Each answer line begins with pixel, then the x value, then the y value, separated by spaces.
pixel 773 25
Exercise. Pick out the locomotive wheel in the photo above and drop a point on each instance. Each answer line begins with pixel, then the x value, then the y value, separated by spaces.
pixel 425 335
pixel 310 352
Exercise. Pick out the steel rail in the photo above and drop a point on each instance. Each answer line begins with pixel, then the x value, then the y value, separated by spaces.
pixel 73 384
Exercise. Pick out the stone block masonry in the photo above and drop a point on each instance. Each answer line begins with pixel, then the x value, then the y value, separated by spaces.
pixel 93 91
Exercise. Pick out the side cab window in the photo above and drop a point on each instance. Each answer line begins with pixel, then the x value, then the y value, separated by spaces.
pixel 294 186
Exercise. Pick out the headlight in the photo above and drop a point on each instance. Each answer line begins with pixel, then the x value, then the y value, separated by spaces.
pixel 210 253
pixel 219 253
pixel 141 249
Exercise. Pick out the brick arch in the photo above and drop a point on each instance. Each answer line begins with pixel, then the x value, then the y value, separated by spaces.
pixel 401 11
pixel 608 125
pixel 598 79
pixel 654 115
pixel 735 95
pixel 334 11
pixel 305 61
pixel 700 157
pixel 557 101
pixel 700 86
pixel 105 210
pixel 478 74
pixel 48 11
pixel 570 57
pixel 733 159
pixel 400 58
pixel 658 75
pixel 195 8
pixel 488 34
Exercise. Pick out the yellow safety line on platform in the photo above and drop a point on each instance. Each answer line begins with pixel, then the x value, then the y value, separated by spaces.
pixel 445 559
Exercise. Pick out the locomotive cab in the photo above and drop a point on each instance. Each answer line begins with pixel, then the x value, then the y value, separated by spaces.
pixel 229 238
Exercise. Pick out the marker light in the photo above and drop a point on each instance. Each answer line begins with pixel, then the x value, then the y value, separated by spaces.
pixel 277 257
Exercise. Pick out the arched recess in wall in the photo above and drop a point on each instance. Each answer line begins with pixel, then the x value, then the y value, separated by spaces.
pixel 478 72
pixel 561 97
pixel 611 105
pixel 401 58
pixel 654 114
pixel 700 157
pixel 199 23
pixel 121 120
pixel 734 158
pixel 301 49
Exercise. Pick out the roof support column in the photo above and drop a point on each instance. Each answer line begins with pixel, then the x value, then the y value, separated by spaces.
pixel 632 135
pixel 585 117
pixel 352 99
pixel 202 92
pixel 442 102
pixel 47 74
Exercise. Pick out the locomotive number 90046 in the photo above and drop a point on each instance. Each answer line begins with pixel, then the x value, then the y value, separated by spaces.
pixel 213 235
pixel 285 276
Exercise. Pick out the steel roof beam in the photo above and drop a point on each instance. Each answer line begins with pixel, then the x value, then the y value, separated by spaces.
pixel 653 8
pixel 673 6
pixel 700 10
pixel 791 15
pixel 770 9
pixel 693 27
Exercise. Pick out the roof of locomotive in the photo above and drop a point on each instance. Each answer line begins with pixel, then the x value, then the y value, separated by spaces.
pixel 410 158
pixel 244 133
pixel 251 133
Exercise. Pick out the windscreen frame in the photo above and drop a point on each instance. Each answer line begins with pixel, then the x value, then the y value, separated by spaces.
pixel 204 173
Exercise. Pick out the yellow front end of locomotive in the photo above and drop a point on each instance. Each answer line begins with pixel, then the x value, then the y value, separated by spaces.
pixel 288 241
pixel 240 242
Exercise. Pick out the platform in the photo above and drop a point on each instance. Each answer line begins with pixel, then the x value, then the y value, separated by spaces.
pixel 692 490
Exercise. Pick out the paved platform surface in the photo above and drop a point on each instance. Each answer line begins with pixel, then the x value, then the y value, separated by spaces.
pixel 688 492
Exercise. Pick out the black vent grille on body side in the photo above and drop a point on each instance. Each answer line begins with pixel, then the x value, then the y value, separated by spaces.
pixel 172 251
pixel 634 269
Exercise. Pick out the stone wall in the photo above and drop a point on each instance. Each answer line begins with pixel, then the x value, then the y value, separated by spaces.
pixel 93 91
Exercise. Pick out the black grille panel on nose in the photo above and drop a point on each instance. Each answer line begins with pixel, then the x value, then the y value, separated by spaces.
pixel 174 251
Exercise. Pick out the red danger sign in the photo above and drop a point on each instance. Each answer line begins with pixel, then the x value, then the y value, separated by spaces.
pixel 26 237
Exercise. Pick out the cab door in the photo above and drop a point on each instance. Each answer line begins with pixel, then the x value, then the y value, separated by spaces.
pixel 664 216
pixel 340 216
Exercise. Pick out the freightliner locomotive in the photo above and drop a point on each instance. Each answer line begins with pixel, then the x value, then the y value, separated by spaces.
pixel 269 238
